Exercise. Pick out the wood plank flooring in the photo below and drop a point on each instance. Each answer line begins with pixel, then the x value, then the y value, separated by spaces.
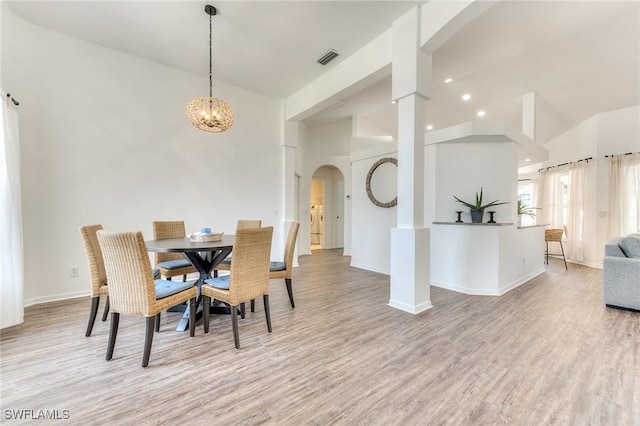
pixel 548 352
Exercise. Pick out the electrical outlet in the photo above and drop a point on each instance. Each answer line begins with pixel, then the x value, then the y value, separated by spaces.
pixel 74 271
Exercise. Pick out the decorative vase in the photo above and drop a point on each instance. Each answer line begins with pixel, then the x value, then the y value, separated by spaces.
pixel 476 215
pixel 459 220
pixel 519 220
pixel 491 220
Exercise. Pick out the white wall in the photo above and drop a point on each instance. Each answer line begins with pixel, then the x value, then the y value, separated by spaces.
pixel 463 168
pixel 105 139
pixel 371 225
pixel 326 145
pixel 611 132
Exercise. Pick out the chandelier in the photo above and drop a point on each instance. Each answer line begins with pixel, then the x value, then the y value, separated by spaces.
pixel 208 113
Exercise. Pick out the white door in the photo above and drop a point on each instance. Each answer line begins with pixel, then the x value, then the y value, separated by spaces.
pixel 338 210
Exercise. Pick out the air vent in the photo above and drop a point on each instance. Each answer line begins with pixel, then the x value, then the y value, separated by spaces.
pixel 328 57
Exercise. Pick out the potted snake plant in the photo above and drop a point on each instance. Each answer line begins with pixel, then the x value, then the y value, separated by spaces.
pixel 477 208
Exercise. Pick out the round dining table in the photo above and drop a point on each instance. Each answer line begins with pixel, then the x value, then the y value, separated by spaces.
pixel 203 255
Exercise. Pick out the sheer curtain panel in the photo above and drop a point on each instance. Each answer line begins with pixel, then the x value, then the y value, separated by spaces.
pixel 576 210
pixel 549 198
pixel 624 195
pixel 11 255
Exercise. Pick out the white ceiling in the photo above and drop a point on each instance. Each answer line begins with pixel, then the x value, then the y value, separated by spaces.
pixel 580 57
pixel 269 47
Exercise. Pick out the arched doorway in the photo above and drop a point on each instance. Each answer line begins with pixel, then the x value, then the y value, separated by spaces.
pixel 327 208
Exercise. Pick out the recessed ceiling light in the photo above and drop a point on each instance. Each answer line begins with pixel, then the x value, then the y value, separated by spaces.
pixel 429 127
pixel 448 80
pixel 527 159
pixel 394 101
pixel 480 113
pixel 466 97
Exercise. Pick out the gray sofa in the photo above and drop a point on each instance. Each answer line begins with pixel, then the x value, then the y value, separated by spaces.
pixel 621 272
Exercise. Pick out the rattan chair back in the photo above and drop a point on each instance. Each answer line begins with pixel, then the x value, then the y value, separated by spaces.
pixel 289 249
pixel 247 224
pixel 131 283
pixel 241 224
pixel 168 229
pixel 94 257
pixel 250 267
pixel 97 271
pixel 287 272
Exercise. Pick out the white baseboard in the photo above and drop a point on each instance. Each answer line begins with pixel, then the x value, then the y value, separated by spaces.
pixel 56 297
pixel 465 290
pixel 410 308
pixel 489 291
pixel 521 280
pixel 370 268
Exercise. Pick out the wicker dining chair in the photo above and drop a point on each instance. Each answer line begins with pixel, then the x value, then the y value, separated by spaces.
pixel 98 274
pixel 171 264
pixel 96 270
pixel 284 269
pixel 248 278
pixel 554 235
pixel 241 224
pixel 133 290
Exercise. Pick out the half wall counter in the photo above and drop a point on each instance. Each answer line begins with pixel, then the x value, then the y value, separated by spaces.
pixel 485 258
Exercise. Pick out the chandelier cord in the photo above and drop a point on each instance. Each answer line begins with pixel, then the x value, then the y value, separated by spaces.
pixel 210 59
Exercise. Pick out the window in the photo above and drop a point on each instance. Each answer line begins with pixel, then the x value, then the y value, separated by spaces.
pixel 525 196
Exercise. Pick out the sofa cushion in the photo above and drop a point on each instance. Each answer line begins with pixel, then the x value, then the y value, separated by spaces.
pixel 612 248
pixel 630 245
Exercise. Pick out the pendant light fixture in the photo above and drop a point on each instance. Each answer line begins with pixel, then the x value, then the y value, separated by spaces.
pixel 208 113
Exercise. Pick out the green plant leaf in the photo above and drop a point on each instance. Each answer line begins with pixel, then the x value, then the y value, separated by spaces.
pixel 478 204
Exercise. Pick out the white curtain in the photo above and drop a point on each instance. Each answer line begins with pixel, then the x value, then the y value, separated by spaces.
pixel 624 195
pixel 576 210
pixel 11 255
pixel 549 198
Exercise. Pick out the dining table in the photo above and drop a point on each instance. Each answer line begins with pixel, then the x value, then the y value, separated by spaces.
pixel 203 255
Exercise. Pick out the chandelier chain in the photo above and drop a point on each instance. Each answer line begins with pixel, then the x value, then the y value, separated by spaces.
pixel 210 59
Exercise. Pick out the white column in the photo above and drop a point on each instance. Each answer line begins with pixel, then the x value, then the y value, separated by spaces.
pixel 410 264
pixel 290 136
pixel 529 115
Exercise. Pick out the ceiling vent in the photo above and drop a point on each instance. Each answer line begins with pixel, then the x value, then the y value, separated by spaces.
pixel 328 57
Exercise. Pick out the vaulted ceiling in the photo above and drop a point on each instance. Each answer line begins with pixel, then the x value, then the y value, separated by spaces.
pixel 579 57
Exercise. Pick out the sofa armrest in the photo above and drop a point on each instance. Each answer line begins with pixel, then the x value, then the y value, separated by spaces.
pixel 621 282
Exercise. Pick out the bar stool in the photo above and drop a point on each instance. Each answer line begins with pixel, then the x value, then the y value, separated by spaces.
pixel 554 234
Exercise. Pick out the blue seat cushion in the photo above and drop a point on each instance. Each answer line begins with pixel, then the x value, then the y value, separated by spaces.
pixel 174 264
pixel 166 288
pixel 277 266
pixel 219 282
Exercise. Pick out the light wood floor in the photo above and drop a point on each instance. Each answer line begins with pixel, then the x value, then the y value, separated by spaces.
pixel 548 352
